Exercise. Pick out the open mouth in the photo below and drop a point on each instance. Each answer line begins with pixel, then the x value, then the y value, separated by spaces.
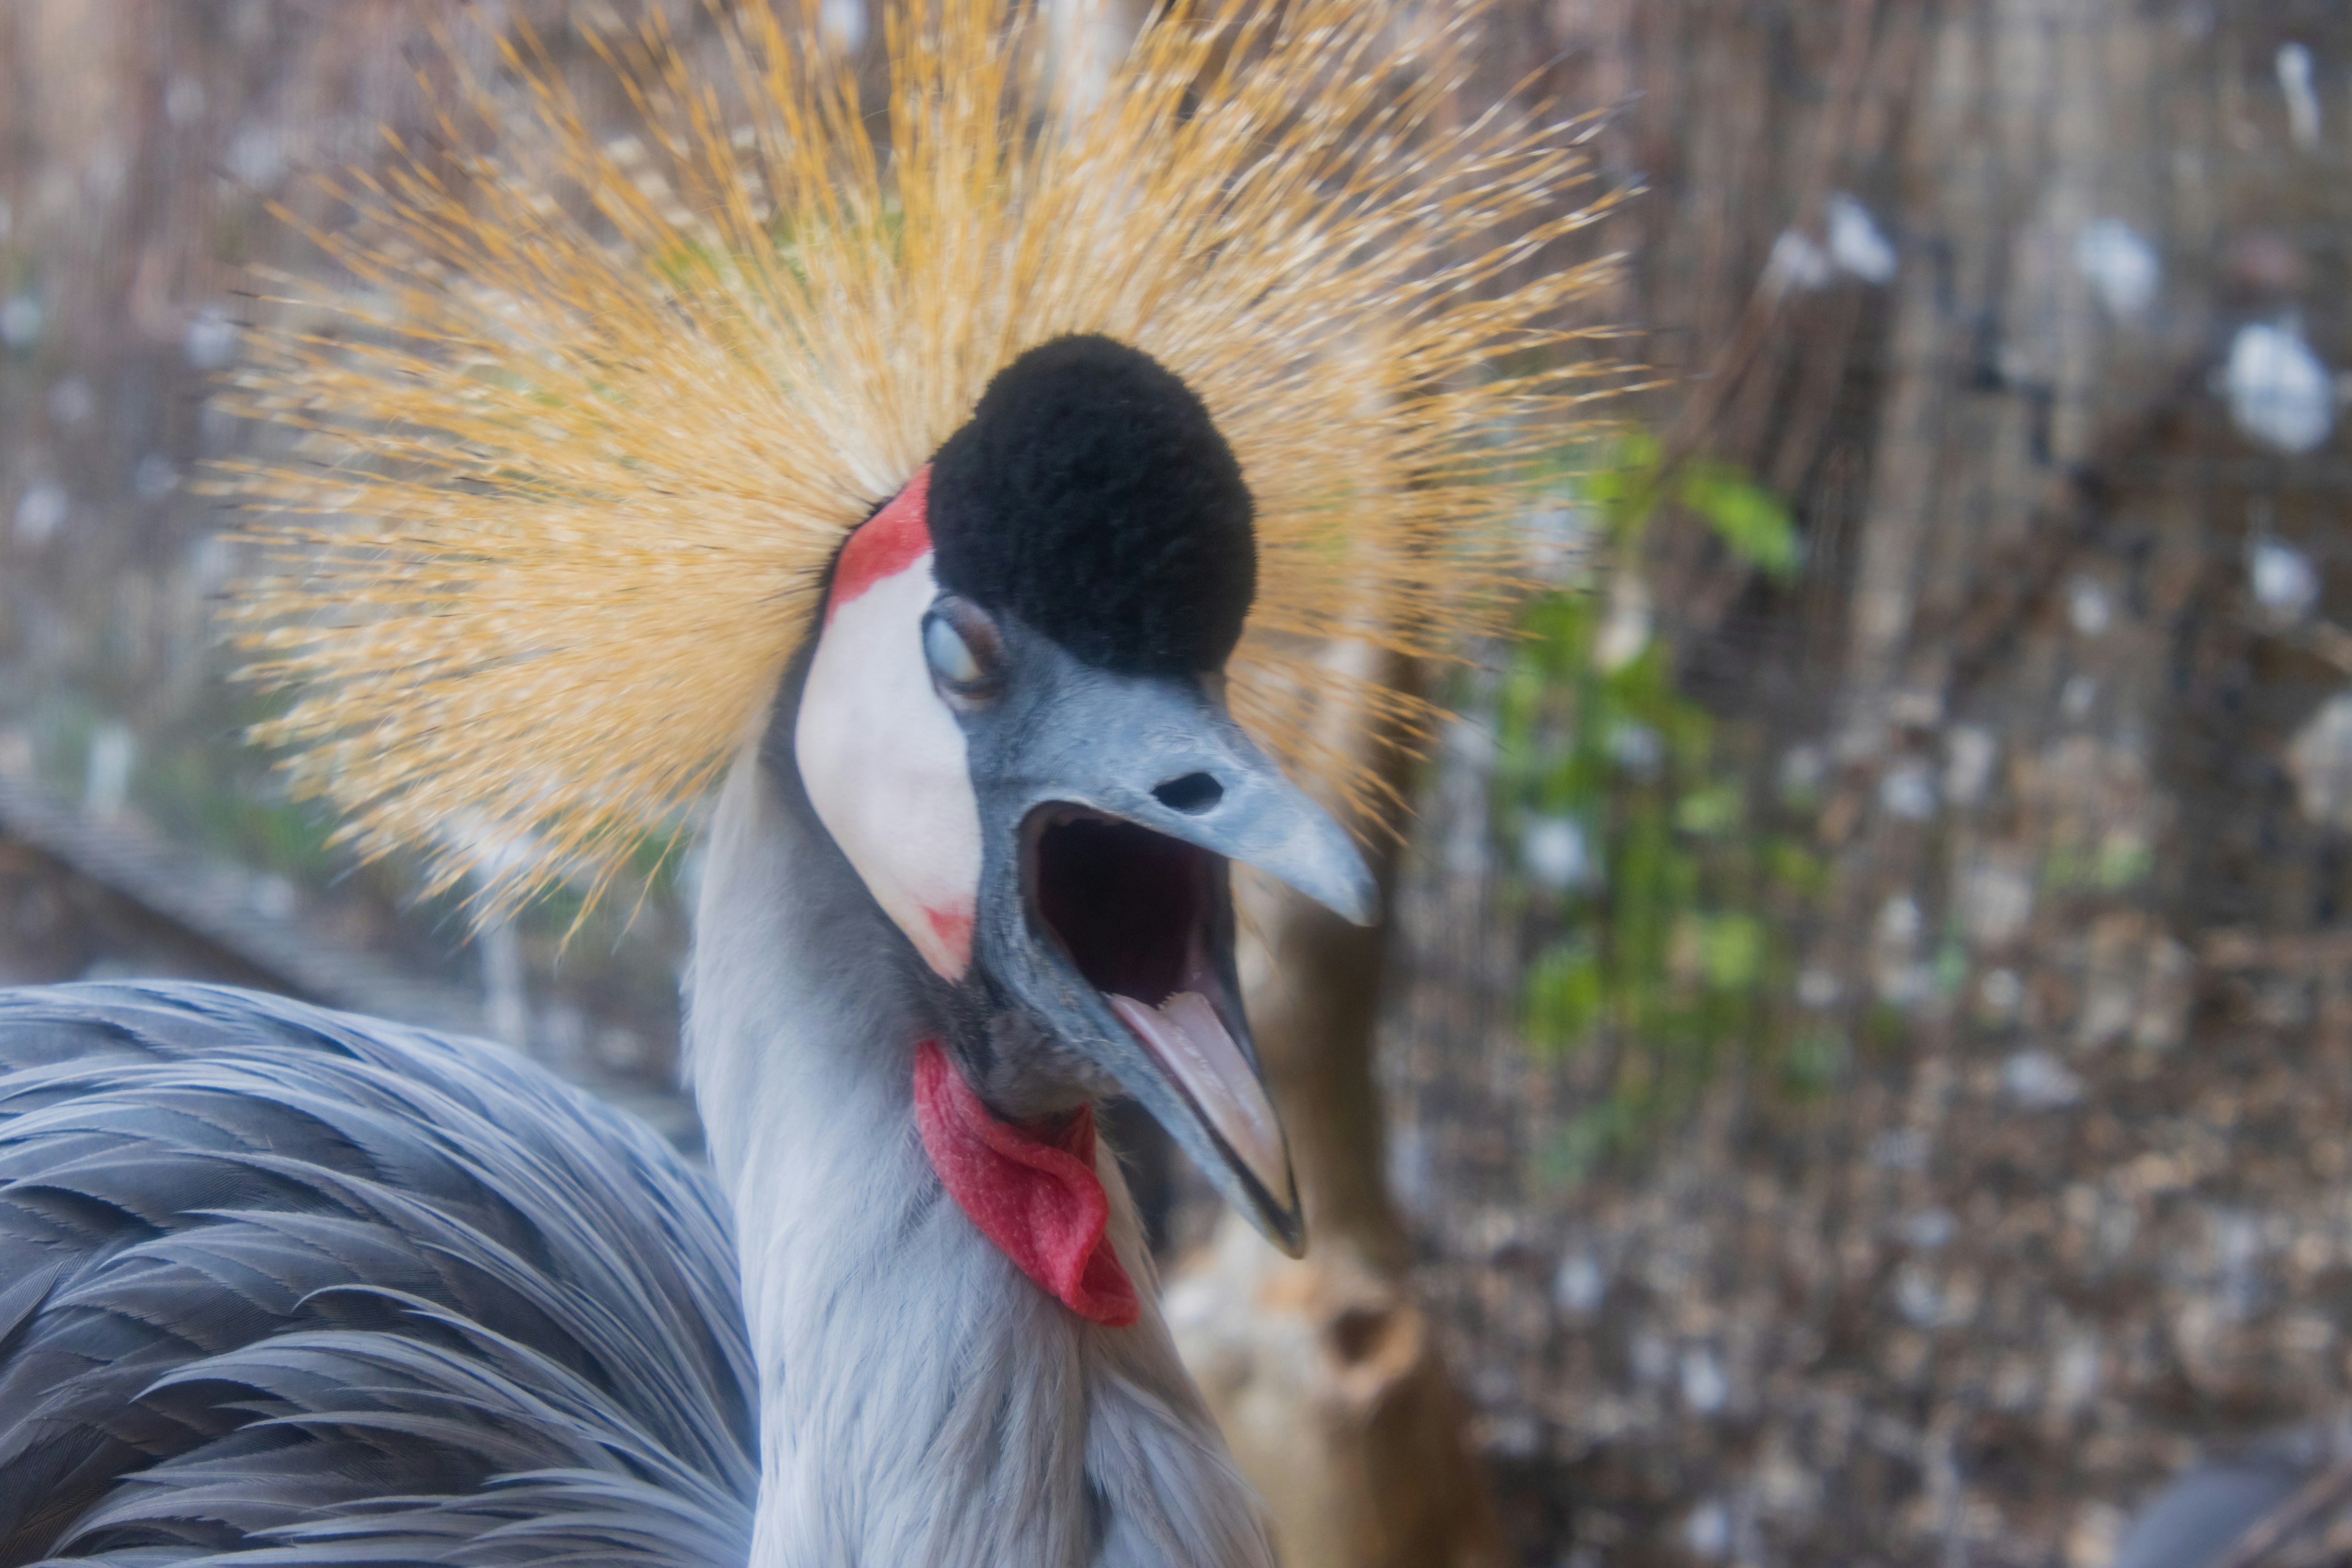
pixel 1134 912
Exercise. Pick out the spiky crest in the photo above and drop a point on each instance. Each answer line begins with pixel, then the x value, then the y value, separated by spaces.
pixel 597 413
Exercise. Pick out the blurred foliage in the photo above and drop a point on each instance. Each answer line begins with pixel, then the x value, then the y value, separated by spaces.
pixel 1669 890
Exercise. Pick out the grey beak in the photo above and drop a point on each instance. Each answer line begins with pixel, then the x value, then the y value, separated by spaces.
pixel 1166 756
pixel 1112 753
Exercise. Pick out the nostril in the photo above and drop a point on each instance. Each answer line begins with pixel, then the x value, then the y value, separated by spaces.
pixel 1192 795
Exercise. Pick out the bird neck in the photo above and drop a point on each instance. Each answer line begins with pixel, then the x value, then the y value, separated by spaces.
pixel 921 1399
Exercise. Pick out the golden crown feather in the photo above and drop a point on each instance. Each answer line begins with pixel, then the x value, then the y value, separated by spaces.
pixel 598 412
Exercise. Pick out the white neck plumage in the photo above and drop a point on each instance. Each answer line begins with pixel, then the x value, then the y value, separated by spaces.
pixel 922 1402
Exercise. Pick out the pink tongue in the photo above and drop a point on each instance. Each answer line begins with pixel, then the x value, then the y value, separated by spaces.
pixel 1186 1033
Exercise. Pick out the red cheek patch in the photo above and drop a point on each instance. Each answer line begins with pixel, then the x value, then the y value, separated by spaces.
pixel 1031 1192
pixel 953 928
pixel 886 544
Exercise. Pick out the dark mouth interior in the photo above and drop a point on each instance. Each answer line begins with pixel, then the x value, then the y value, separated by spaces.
pixel 1129 906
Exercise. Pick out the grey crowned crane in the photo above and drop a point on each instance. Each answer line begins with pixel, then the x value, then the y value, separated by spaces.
pixel 956 514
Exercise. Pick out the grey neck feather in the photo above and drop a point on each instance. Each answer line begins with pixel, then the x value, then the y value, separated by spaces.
pixel 922 1402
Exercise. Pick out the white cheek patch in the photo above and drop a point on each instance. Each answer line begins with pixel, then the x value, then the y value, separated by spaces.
pixel 883 760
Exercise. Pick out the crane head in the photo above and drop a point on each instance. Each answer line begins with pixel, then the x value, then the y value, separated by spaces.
pixel 1013 723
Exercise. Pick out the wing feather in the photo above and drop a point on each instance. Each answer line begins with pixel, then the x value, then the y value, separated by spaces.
pixel 283 1286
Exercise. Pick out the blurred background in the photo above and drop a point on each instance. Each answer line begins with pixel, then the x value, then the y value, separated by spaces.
pixel 1860 1067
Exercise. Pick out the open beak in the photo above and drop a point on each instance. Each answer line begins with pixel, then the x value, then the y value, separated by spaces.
pixel 1123 800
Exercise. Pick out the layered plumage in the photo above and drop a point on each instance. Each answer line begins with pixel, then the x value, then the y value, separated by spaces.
pixel 603 408
pixel 283 1282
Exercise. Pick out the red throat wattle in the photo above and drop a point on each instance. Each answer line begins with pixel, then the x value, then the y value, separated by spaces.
pixel 1033 1193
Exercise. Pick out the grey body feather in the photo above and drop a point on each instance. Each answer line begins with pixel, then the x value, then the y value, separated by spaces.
pixel 282 1286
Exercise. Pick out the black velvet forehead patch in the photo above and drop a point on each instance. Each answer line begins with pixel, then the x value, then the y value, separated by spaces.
pixel 1091 496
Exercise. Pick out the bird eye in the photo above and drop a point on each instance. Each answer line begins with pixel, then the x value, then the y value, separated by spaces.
pixel 950 656
pixel 960 646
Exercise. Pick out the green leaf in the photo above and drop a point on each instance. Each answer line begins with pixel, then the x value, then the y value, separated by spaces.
pixel 2064 865
pixel 1951 967
pixel 1748 519
pixel 1796 868
pixel 2124 862
pixel 1815 1062
pixel 1589 1138
pixel 1732 951
pixel 1714 809
pixel 1625 491
pixel 1566 991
